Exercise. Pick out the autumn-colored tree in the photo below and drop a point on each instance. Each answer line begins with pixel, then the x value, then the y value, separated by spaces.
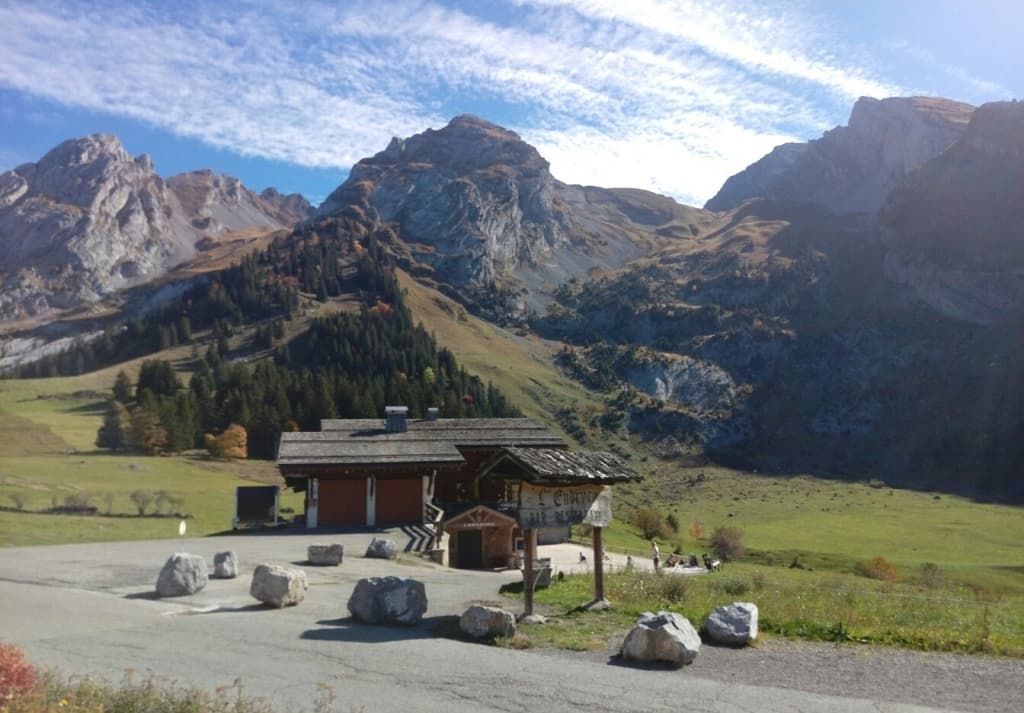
pixel 147 433
pixel 649 521
pixel 233 443
pixel 696 530
pixel 727 543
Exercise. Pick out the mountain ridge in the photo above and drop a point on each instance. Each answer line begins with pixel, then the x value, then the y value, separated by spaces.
pixel 88 219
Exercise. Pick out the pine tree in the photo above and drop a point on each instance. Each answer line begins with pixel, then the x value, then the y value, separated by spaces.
pixel 113 433
pixel 122 387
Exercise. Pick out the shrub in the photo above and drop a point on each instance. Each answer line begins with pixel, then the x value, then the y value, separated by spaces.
pixel 672 522
pixel 696 530
pixel 734 585
pixel 877 568
pixel 649 521
pixel 17 676
pixel 142 499
pixel 233 443
pixel 931 576
pixel 77 501
pixel 727 542
pixel 19 500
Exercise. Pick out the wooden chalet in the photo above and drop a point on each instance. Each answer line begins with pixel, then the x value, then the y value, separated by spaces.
pixel 455 476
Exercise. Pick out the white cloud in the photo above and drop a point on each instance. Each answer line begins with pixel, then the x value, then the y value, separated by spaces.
pixel 651 97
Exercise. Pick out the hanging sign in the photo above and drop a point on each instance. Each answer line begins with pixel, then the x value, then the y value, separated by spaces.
pixel 600 512
pixel 557 506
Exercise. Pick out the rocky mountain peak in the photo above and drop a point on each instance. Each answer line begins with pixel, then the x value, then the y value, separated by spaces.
pixel 479 195
pixel 853 168
pixel 88 219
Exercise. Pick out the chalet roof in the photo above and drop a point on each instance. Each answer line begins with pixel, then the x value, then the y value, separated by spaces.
pixel 365 442
pixel 560 467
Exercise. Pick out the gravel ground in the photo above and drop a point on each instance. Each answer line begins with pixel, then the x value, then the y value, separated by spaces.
pixel 980 684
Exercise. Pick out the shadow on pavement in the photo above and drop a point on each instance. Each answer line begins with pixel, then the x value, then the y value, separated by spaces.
pixel 353 630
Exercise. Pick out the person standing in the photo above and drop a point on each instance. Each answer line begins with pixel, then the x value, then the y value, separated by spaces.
pixel 655 554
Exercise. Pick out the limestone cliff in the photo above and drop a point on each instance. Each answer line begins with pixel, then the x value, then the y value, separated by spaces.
pixel 88 219
pixel 852 169
pixel 478 211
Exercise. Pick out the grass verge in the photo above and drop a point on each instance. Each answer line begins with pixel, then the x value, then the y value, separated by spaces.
pixel 792 603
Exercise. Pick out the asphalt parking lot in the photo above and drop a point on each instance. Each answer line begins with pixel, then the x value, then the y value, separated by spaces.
pixel 91 609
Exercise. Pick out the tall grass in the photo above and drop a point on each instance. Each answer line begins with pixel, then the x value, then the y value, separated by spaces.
pixel 810 605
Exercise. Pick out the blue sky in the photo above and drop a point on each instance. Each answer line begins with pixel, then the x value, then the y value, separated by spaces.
pixel 669 96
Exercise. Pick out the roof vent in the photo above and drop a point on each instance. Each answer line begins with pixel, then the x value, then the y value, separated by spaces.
pixel 432 413
pixel 395 418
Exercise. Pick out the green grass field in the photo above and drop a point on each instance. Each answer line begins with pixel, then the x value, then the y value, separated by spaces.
pixel 47 453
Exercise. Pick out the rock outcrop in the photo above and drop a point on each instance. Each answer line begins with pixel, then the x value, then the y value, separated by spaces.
pixel 955 229
pixel 478 212
pixel 853 168
pixel 89 219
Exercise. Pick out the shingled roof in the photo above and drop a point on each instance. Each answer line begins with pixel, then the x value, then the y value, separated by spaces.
pixel 557 466
pixel 366 443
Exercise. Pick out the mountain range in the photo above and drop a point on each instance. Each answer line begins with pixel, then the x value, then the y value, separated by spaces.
pixel 851 305
pixel 88 219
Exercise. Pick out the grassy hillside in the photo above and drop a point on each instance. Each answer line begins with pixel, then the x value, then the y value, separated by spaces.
pixel 47 431
pixel 520 365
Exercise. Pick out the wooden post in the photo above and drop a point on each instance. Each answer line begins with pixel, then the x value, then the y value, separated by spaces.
pixel 528 573
pixel 598 565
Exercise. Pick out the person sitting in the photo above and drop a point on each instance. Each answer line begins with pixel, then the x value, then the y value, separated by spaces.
pixel 707 561
pixel 583 557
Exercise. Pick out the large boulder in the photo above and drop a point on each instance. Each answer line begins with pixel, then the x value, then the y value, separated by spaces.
pixel 329 555
pixel 480 622
pixel 225 565
pixel 664 636
pixel 382 549
pixel 734 624
pixel 388 600
pixel 278 586
pixel 182 574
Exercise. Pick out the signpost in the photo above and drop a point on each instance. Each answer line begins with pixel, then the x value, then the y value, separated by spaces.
pixel 562 505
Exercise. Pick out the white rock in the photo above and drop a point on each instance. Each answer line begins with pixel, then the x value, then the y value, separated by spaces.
pixel 733 624
pixel 182 574
pixel 480 622
pixel 330 555
pixel 664 636
pixel 278 586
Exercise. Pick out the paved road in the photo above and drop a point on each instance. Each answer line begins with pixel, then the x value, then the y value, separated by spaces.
pixel 89 609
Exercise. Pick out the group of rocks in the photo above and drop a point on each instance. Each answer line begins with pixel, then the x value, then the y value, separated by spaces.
pixel 670 638
pixel 663 637
pixel 375 600
pixel 184 574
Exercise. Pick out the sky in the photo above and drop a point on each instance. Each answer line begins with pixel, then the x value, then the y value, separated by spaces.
pixel 673 97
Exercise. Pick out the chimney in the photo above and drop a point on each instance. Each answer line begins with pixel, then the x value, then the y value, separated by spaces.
pixel 432 413
pixel 395 418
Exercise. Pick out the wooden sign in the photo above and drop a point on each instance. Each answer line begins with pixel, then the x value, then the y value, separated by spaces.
pixel 557 506
pixel 600 512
